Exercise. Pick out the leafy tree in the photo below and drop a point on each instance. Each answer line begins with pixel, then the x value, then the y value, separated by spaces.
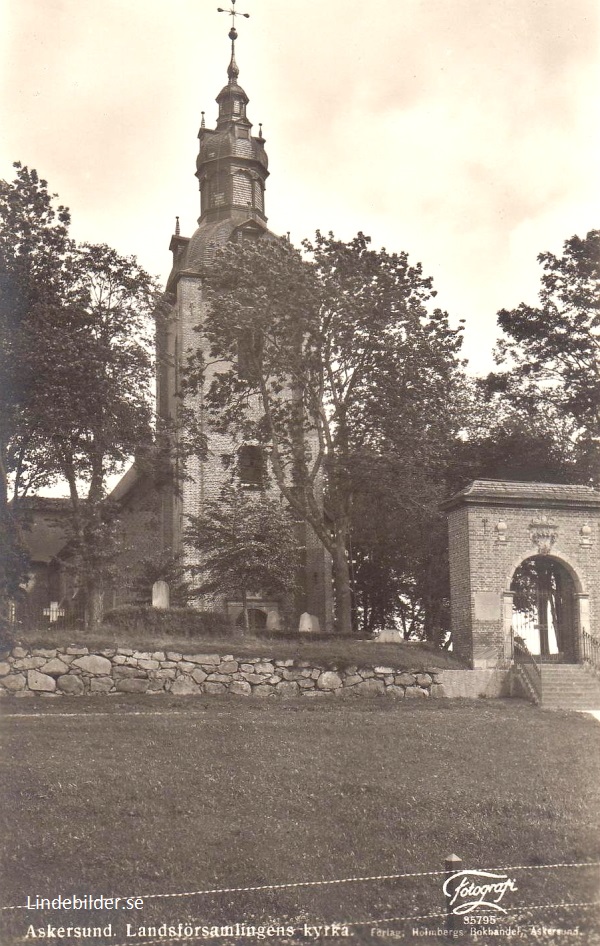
pixel 78 368
pixel 413 422
pixel 401 558
pixel 509 437
pixel 246 543
pixel 552 351
pixel 101 410
pixel 306 357
pixel 34 247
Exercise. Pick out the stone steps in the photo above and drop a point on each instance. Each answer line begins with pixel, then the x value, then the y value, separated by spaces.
pixel 570 687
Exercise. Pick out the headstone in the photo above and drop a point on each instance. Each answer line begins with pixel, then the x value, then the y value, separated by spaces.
pixel 305 626
pixel 160 594
pixel 389 635
pixel 309 624
pixel 273 621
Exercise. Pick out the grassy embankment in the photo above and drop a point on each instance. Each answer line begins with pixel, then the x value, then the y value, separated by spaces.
pixel 342 652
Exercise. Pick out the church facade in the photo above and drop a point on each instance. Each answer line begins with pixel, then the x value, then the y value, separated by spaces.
pixel 232 170
pixel 154 510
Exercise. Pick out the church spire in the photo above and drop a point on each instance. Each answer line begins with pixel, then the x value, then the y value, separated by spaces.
pixel 232 163
pixel 232 69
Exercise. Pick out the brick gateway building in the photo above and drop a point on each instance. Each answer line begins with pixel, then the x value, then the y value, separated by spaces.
pixel 524 560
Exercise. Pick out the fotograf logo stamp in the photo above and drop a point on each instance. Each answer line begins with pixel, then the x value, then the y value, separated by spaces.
pixel 469 890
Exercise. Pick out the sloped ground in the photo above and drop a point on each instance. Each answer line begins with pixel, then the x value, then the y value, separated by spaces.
pixel 137 797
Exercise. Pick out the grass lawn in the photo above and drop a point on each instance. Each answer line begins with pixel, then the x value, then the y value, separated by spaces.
pixel 195 794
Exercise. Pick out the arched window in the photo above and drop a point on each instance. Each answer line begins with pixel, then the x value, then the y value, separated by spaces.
pixel 257 619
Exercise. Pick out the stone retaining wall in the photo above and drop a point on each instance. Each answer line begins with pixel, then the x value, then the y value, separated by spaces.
pixel 75 671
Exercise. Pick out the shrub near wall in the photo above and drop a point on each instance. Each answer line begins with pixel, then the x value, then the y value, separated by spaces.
pixel 74 671
pixel 133 619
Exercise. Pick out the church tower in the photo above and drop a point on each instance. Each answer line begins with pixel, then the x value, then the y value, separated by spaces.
pixel 232 169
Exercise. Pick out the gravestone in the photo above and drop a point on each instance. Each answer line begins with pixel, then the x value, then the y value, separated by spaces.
pixel 160 594
pixel 389 635
pixel 309 624
pixel 273 621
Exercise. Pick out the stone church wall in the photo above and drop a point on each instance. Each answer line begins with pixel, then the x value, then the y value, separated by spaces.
pixel 206 478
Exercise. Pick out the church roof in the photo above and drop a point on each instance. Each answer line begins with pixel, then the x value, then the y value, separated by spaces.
pixel 519 493
pixel 212 235
pixel 221 143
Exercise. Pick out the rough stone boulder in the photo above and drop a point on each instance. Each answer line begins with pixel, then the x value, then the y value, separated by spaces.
pixel 132 685
pixel 240 688
pixel 54 667
pixel 98 666
pixel 329 680
pixel 70 684
pixel 370 687
pixel 183 687
pixel 40 681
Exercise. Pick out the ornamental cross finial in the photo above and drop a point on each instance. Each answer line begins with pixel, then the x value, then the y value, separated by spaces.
pixel 232 13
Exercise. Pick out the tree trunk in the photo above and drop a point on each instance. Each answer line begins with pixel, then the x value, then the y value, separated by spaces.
pixel 543 596
pixel 93 604
pixel 245 611
pixel 341 580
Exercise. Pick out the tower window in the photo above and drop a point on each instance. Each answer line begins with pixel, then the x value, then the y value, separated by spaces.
pixel 242 190
pixel 248 353
pixel 258 195
pixel 251 466
pixel 217 191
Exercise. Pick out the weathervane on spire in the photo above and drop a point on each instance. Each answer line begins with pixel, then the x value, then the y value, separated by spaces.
pixel 232 70
pixel 232 13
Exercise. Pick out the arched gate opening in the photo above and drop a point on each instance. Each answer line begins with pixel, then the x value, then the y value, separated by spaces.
pixel 544 610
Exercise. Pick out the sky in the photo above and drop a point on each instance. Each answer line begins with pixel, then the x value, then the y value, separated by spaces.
pixel 465 132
